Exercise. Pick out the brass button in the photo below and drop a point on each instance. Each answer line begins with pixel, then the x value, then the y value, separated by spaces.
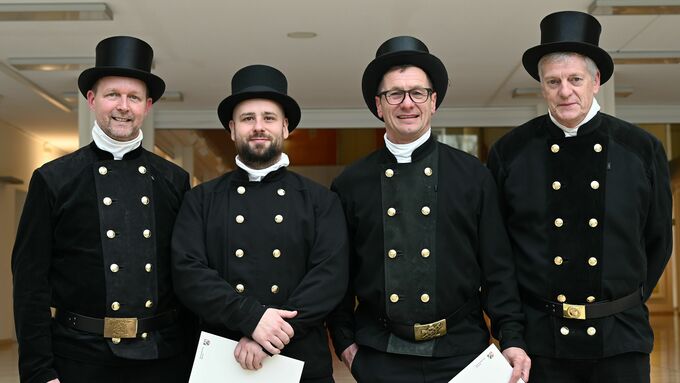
pixel 103 170
pixel 111 234
pixel 392 253
pixel 115 306
pixel 239 253
pixel 425 298
pixel 425 210
pixel 141 170
pixel 145 200
pixel 389 173
pixel 144 335
pixel 107 201
pixel 281 192
pixel 559 222
pixel 241 190
pixel 147 267
pixel 275 289
pixel 558 260
pixel 394 298
pixel 556 185
pixel 564 330
pixel 278 218
pixel 115 340
pixel 240 288
pixel 146 233
pixel 554 148
pixel 276 253
pixel 428 171
pixel 425 253
pixel 592 222
pixel 114 268
pixel 594 185
pixel 591 331
pixel 148 304
pixel 561 298
pixel 240 219
pixel 590 299
pixel 597 148
pixel 592 261
pixel 391 212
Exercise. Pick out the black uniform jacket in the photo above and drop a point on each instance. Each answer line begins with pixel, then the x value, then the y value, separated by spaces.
pixel 241 247
pixel 468 252
pixel 83 218
pixel 589 218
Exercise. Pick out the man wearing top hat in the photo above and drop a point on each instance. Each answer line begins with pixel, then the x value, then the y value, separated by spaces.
pixel 587 203
pixel 260 253
pixel 93 242
pixel 428 248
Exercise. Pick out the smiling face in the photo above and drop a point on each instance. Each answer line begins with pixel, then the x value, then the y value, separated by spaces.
pixel 407 121
pixel 258 127
pixel 568 87
pixel 119 105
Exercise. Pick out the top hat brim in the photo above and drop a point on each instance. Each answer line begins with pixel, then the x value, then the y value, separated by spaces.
pixel 377 68
pixel 89 77
pixel 291 108
pixel 601 58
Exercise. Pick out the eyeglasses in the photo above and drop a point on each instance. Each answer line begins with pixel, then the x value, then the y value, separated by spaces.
pixel 397 96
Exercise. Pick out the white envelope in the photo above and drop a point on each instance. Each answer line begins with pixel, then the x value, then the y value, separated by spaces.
pixel 489 367
pixel 215 362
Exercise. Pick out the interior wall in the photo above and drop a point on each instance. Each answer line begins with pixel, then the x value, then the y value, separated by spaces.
pixel 20 154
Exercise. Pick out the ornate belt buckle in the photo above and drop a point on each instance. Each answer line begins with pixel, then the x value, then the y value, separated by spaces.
pixel 570 311
pixel 429 331
pixel 120 327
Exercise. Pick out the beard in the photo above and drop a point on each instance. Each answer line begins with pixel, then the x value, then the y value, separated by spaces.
pixel 259 157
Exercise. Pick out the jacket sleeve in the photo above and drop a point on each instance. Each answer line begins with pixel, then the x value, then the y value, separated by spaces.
pixel 658 226
pixel 500 293
pixel 341 320
pixel 325 281
pixel 31 259
pixel 197 283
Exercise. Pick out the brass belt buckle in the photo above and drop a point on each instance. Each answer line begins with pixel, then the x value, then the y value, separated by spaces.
pixel 120 327
pixel 573 311
pixel 429 331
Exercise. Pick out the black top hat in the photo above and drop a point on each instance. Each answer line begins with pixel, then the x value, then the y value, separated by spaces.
pixel 259 81
pixel 570 31
pixel 123 56
pixel 402 50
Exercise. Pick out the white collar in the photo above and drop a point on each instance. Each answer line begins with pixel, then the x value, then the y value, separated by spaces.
pixel 403 152
pixel 115 147
pixel 571 132
pixel 256 175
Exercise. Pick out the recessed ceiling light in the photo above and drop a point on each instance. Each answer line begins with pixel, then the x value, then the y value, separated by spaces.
pixel 51 64
pixel 301 35
pixel 634 7
pixel 55 12
pixel 646 57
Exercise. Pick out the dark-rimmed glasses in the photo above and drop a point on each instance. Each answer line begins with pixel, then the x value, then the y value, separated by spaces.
pixel 397 96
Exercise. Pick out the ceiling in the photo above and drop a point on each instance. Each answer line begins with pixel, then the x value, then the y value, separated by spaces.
pixel 200 44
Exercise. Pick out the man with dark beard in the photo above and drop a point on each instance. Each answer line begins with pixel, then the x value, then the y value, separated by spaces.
pixel 260 253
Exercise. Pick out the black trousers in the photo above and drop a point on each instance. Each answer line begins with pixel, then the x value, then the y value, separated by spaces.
pixel 632 367
pixel 373 366
pixel 171 370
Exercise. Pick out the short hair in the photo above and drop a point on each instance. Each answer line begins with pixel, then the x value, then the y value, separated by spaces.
pixel 401 68
pixel 561 56
pixel 146 87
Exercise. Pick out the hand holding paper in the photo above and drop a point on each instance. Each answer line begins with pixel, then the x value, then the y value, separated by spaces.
pixel 520 362
pixel 273 332
pixel 249 354
pixel 489 367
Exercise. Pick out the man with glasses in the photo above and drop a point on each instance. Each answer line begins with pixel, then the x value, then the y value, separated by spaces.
pixel 427 244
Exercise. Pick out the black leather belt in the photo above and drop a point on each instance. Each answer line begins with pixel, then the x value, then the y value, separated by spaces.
pixel 584 311
pixel 425 331
pixel 115 327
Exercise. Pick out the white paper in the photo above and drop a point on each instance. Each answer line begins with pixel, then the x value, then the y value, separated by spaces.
pixel 215 362
pixel 489 367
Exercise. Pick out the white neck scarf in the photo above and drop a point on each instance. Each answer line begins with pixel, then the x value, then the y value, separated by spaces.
pixel 117 148
pixel 403 152
pixel 256 175
pixel 571 132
